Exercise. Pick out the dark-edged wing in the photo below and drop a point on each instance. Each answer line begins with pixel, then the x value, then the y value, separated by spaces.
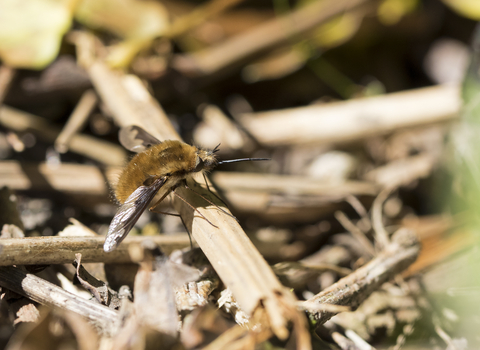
pixel 128 214
pixel 136 139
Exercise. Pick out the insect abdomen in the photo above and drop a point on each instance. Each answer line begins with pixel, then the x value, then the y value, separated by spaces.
pixel 169 158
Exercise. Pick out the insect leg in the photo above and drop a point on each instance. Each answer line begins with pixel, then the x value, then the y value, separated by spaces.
pixel 188 232
pixel 209 190
pixel 152 208
pixel 209 201
pixel 191 206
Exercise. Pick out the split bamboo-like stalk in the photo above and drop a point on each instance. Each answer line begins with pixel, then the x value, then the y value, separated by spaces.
pixel 273 197
pixel 262 38
pixel 228 248
pixel 76 121
pixel 355 119
pixel 89 146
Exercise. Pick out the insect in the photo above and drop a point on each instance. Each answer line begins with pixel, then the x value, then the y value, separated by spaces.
pixel 157 168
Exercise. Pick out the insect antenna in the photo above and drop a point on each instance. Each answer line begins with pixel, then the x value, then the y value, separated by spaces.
pixel 216 149
pixel 241 160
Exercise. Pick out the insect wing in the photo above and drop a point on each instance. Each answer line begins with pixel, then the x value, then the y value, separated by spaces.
pixel 128 214
pixel 136 139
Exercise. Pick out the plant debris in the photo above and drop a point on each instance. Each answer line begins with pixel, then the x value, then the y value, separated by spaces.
pixel 360 232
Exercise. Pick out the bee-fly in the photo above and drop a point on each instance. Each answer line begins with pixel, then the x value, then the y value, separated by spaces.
pixel 159 167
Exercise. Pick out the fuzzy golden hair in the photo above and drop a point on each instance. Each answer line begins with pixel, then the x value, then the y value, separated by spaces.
pixel 171 159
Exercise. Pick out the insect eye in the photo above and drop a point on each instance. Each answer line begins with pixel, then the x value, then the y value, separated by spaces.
pixel 198 164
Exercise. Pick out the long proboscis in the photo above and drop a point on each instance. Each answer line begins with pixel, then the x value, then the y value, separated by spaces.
pixel 241 160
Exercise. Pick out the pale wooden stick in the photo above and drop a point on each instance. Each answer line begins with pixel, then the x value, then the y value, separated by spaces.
pixel 403 171
pixel 62 250
pixel 356 232
pixel 217 128
pixel 47 293
pixel 129 101
pixel 273 197
pixel 76 121
pixel 331 255
pixel 6 77
pixel 343 342
pixel 356 287
pixel 71 178
pixel 314 307
pixel 356 119
pixel 294 185
pixel 262 38
pixel 359 342
pixel 102 151
pixel 199 15
pixel 382 237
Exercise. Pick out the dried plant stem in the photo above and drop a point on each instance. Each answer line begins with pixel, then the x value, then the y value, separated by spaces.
pixel 198 16
pixel 287 265
pixel 343 342
pixel 306 305
pixel 295 185
pixel 76 121
pixel 445 337
pixel 354 119
pixel 62 250
pixel 262 38
pixel 234 258
pixel 404 171
pixel 46 293
pixel 273 197
pixel 382 238
pixel 356 232
pixel 86 180
pixel 102 151
pixel 129 101
pixel 358 341
pixel 6 77
pixel 356 287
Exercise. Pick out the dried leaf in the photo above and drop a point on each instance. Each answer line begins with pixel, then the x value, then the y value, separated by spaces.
pixel 154 290
pixel 27 313
pixel 99 289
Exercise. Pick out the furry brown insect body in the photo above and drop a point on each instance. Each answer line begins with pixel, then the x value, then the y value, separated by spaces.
pixel 173 160
pixel 158 168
